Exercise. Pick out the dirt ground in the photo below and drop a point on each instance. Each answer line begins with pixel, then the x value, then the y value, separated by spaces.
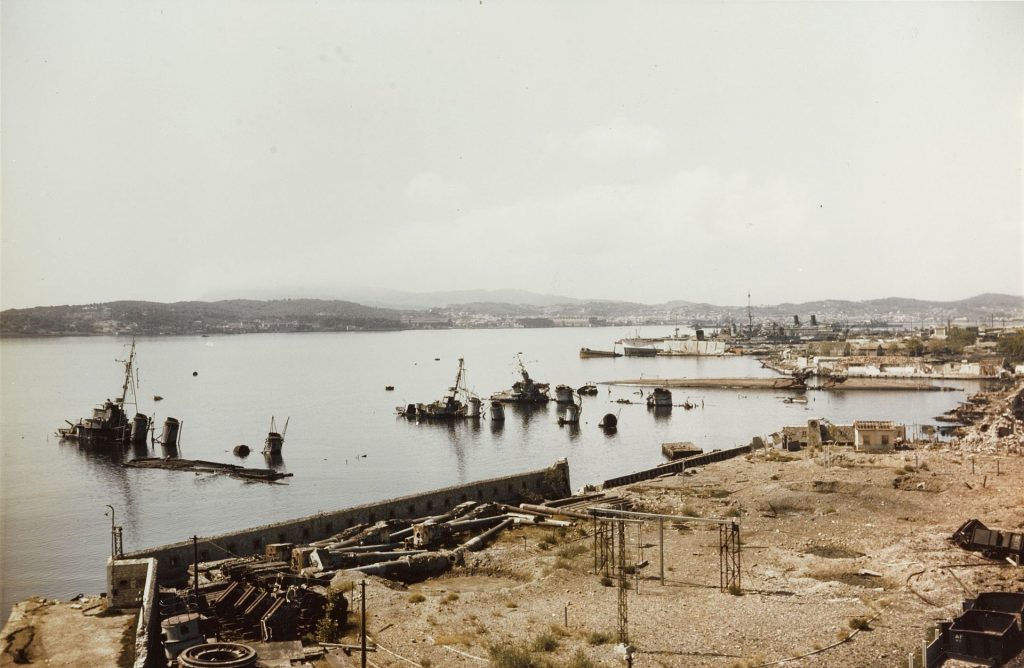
pixel 845 562
pixel 76 633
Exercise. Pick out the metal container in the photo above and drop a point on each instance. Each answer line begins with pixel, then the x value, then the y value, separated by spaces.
pixel 170 434
pixel 140 426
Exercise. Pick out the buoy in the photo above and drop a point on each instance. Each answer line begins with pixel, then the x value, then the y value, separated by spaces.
pixel 241 450
pixel 195 373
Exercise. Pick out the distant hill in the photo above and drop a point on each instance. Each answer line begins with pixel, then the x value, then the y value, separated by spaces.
pixel 423 300
pixel 524 308
pixel 230 316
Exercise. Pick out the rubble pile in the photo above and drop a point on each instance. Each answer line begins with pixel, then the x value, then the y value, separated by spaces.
pixel 993 422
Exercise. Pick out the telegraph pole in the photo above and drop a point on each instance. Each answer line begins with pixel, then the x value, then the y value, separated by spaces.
pixel 195 567
pixel 362 624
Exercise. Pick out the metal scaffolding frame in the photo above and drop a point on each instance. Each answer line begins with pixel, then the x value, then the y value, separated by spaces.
pixel 621 563
pixel 729 578
pixel 729 544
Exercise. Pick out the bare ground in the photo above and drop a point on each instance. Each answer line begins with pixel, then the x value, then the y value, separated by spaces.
pixel 68 633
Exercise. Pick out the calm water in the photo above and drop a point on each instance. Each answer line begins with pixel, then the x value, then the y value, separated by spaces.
pixel 344 444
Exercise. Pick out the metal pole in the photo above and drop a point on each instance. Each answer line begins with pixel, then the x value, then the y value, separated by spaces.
pixel 661 543
pixel 195 567
pixel 362 625
pixel 113 546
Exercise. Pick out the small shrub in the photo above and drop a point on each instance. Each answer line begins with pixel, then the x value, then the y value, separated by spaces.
pixel 735 590
pixel 572 550
pixel 511 604
pixel 733 511
pixel 859 624
pixel 417 598
pixel 580 660
pixel 544 642
pixel 454 639
pixel 606 581
pixel 559 630
pixel 425 663
pixel 506 655
pixel 599 638
pixel 449 597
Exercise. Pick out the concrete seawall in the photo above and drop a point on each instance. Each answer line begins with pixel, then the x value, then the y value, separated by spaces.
pixel 677 466
pixel 173 560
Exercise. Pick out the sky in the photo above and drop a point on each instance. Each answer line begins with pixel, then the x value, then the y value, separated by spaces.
pixel 646 151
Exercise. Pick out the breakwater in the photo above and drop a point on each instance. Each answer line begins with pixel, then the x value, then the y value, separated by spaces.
pixel 677 466
pixel 173 560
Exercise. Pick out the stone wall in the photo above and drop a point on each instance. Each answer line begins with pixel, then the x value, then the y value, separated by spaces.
pixel 131 583
pixel 126 581
pixel 173 560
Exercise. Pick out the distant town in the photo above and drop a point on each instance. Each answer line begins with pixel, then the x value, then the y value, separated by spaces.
pixel 988 312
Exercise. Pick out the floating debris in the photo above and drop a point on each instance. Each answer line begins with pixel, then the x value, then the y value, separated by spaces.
pixel 201 466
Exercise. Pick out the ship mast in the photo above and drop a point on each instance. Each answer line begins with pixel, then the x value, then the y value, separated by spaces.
pixel 129 378
pixel 750 318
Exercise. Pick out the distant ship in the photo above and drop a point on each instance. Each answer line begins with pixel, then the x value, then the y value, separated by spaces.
pixel 588 352
pixel 685 345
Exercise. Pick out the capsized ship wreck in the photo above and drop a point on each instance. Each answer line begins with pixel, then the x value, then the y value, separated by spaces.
pixel 525 391
pixel 109 423
pixel 458 403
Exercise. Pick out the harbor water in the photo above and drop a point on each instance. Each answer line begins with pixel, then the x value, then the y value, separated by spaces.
pixel 344 443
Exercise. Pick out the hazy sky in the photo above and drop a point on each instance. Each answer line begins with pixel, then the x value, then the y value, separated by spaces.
pixel 643 151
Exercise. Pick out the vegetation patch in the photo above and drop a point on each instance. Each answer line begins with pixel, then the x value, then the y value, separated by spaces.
pixel 545 641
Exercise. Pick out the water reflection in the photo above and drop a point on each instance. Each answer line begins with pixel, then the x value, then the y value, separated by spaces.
pixel 275 461
pixel 661 413
pixel 526 412
pixel 105 461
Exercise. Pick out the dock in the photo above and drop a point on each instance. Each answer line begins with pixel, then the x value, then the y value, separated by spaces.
pixel 716 383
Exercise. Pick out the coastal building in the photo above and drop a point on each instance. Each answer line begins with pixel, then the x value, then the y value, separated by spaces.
pixel 877 435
